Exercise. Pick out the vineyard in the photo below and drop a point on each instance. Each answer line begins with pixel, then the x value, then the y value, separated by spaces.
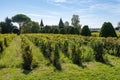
pixel 59 57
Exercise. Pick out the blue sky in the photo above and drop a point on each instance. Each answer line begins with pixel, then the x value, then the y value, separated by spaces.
pixel 91 12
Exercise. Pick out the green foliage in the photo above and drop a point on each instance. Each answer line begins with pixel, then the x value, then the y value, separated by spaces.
pixel 61 24
pixel 35 27
pixel 27 58
pixel 56 61
pixel 20 19
pixel 76 30
pixel 87 54
pixel 5 42
pixel 46 49
pixel 76 55
pixel 1 46
pixel 7 26
pixel 30 27
pixel 41 23
pixel 98 50
pixel 75 21
pixel 65 48
pixel 79 53
pixel 85 31
pixel 107 30
pixel 46 29
pixel 8 57
pixel 62 31
pixel 112 46
pixel 56 31
pixel 71 30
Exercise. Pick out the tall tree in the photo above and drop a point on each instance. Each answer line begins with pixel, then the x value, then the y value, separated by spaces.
pixel 107 30
pixel 75 21
pixel 41 23
pixel 7 26
pixel 61 24
pixel 3 27
pixel 20 19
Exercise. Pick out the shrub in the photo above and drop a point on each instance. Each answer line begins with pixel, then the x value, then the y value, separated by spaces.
pixel 1 46
pixel 85 31
pixel 76 55
pixel 110 45
pixel 98 50
pixel 107 30
pixel 5 42
pixel 46 49
pixel 27 58
pixel 65 48
pixel 56 61
pixel 87 54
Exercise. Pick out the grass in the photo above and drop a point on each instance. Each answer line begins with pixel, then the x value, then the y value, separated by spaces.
pixel 11 69
pixel 92 71
pixel 11 57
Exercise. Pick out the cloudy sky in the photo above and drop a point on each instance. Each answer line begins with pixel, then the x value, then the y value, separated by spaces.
pixel 91 12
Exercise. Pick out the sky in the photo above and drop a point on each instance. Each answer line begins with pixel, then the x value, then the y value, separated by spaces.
pixel 91 12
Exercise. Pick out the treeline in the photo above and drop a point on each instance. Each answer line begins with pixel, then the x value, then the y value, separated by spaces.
pixel 26 25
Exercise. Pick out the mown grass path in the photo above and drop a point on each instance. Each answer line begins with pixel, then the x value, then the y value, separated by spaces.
pixel 11 57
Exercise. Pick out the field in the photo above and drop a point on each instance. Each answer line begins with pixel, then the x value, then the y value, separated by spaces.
pixel 59 57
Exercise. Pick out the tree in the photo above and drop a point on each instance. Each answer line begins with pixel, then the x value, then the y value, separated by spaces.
pixel 41 23
pixel 30 27
pixel 56 31
pixel 85 31
pixel 76 30
pixel 66 24
pixel 71 30
pixel 61 24
pixel 20 19
pixel 107 30
pixel 62 31
pixel 35 27
pixel 7 26
pixel 3 27
pixel 26 27
pixel 75 21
